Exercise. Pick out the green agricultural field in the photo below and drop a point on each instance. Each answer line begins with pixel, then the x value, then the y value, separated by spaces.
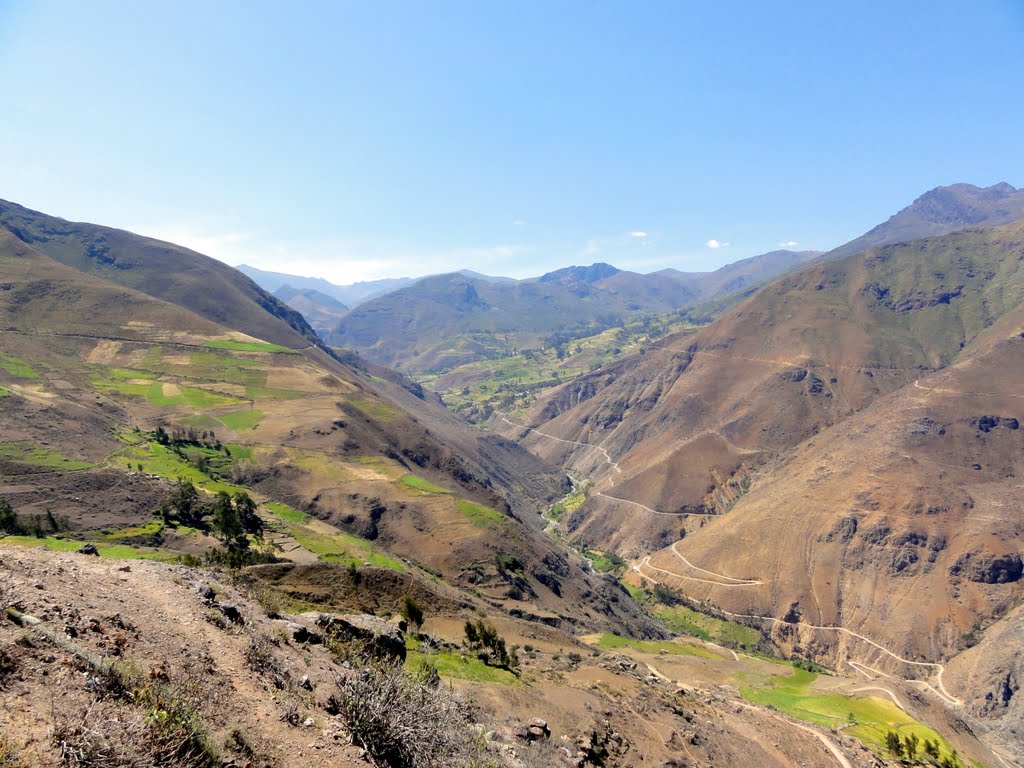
pixel 611 642
pixel 4 392
pixel 249 346
pixel 113 551
pixel 25 452
pixel 333 547
pixel 866 718
pixel 18 368
pixel 606 562
pixel 241 421
pixel 510 379
pixel 239 451
pixel 417 483
pixel 200 421
pixel 461 667
pixel 568 505
pixel 127 389
pixel 375 408
pixel 478 514
pixel 159 460
pixel 206 366
pixel 286 513
pixel 686 621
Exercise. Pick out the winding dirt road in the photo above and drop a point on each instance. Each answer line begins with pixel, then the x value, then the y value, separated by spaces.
pixel 730 581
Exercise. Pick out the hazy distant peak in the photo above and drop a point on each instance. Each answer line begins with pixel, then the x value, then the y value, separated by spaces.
pixel 591 274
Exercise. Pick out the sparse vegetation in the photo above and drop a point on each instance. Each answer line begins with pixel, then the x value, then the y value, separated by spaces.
pixel 412 612
pixel 490 647
pixel 137 721
pixel 17 368
pixel 35 525
pixel 403 721
pixel 33 454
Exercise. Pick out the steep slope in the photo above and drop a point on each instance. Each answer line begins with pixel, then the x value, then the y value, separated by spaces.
pixel 164 271
pixel 264 690
pixel 940 211
pixel 88 368
pixel 802 354
pixel 836 463
pixel 914 501
pixel 699 429
pixel 321 311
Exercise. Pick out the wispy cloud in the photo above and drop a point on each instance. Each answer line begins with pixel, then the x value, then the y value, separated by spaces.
pixel 638 234
pixel 788 244
pixel 716 244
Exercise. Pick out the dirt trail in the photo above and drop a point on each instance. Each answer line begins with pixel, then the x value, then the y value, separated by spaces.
pixel 729 581
pixel 940 691
pixel 955 392
pixel 654 511
pixel 607 457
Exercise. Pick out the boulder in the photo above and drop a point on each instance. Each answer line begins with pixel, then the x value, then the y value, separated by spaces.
pixel 382 639
pixel 206 592
pixel 301 634
pixel 88 549
pixel 231 613
pixel 537 729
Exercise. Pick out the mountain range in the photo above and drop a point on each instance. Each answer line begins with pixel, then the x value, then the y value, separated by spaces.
pixel 777 535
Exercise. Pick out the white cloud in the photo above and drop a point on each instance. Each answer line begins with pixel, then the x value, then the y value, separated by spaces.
pixel 788 244
pixel 638 234
pixel 716 244
pixel 518 222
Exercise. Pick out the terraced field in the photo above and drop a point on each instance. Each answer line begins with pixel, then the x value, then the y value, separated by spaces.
pixel 512 378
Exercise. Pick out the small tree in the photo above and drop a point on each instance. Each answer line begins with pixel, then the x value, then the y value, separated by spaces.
pixel 228 523
pixel 893 744
pixel 472 638
pixel 412 612
pixel 184 504
pixel 246 508
pixel 931 748
pixel 910 746
pixel 493 651
pixel 9 522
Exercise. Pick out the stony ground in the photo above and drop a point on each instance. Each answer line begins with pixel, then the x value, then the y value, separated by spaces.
pixel 263 697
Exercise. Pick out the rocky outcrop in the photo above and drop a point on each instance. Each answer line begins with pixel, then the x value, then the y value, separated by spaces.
pixel 381 639
pixel 987 568
pixel 988 423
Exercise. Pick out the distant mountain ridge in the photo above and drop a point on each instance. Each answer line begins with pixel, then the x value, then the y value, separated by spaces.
pixel 320 310
pixel 444 321
pixel 350 295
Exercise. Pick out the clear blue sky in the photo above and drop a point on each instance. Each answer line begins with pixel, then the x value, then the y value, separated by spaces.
pixel 361 140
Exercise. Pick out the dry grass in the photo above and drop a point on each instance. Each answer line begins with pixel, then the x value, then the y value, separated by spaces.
pixel 405 722
pixel 135 722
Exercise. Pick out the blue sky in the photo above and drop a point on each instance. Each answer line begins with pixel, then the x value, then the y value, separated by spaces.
pixel 374 139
